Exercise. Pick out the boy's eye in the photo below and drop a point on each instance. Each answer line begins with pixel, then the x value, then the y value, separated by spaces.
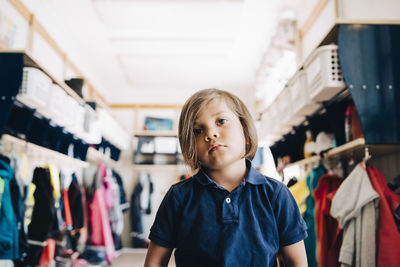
pixel 197 131
pixel 221 121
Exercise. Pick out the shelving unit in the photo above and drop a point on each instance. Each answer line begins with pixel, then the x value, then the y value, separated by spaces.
pixel 20 59
pixel 178 168
pixel 331 22
pixel 30 61
pixel 160 158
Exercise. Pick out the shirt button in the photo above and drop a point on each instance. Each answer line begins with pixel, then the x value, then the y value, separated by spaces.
pixel 228 200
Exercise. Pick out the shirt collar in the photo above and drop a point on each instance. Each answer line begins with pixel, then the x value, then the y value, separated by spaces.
pixel 253 176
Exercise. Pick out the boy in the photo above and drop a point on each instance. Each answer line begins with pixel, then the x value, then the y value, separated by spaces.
pixel 227 214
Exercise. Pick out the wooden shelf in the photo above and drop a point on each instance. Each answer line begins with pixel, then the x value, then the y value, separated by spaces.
pixel 172 133
pixel 353 148
pixel 51 154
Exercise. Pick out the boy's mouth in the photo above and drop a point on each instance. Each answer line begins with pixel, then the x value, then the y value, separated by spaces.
pixel 215 148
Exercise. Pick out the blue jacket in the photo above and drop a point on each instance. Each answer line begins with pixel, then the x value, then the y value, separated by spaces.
pixel 8 218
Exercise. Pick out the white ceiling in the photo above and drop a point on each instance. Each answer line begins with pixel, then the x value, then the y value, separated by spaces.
pixel 160 51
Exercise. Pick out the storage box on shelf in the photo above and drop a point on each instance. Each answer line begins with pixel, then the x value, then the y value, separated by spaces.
pixel 301 102
pixel 283 104
pixel 35 88
pixel 324 75
pixel 56 108
pixel 268 121
pixel 320 80
pixel 75 116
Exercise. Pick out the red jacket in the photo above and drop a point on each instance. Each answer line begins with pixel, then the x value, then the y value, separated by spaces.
pixel 388 237
pixel 329 236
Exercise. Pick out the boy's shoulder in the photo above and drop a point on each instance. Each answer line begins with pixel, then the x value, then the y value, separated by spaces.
pixel 273 182
pixel 183 185
pixel 271 186
pixel 257 178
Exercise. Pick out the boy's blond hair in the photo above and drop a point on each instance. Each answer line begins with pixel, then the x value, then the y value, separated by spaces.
pixel 189 115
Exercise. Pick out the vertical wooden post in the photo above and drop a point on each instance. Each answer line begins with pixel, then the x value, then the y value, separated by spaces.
pixel 31 33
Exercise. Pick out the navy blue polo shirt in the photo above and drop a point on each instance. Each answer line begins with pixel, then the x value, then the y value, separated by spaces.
pixel 210 226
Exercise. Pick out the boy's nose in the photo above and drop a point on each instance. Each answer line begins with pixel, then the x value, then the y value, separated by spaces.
pixel 211 134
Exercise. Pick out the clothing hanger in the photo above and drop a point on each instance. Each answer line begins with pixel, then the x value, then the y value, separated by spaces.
pixel 1 147
pixel 367 157
pixel 351 161
pixel 3 153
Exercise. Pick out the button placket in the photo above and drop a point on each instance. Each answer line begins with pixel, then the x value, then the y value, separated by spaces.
pixel 228 209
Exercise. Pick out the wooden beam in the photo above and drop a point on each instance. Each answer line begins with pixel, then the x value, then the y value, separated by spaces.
pixel 31 34
pixel 319 7
pixel 21 8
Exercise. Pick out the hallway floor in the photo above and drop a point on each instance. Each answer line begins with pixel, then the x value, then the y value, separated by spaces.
pixel 135 258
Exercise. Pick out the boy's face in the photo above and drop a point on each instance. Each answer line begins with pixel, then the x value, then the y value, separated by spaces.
pixel 220 139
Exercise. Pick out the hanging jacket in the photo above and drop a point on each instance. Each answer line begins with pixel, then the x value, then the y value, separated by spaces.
pixel 112 199
pixel 300 193
pixel 19 187
pixel 136 212
pixel 1 190
pixel 19 210
pixel 75 197
pixel 115 213
pixel 329 235
pixel 44 215
pixel 56 184
pixel 75 200
pixel 355 206
pixel 147 191
pixel 8 219
pixel 100 228
pixel 67 209
pixel 311 241
pixel 151 190
pixel 388 237
pixel 123 202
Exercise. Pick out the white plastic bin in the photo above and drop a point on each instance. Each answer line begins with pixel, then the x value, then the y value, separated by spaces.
pixel 283 103
pixel 77 128
pixel 71 110
pixel 56 104
pixel 34 91
pixel 324 75
pixel 302 104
